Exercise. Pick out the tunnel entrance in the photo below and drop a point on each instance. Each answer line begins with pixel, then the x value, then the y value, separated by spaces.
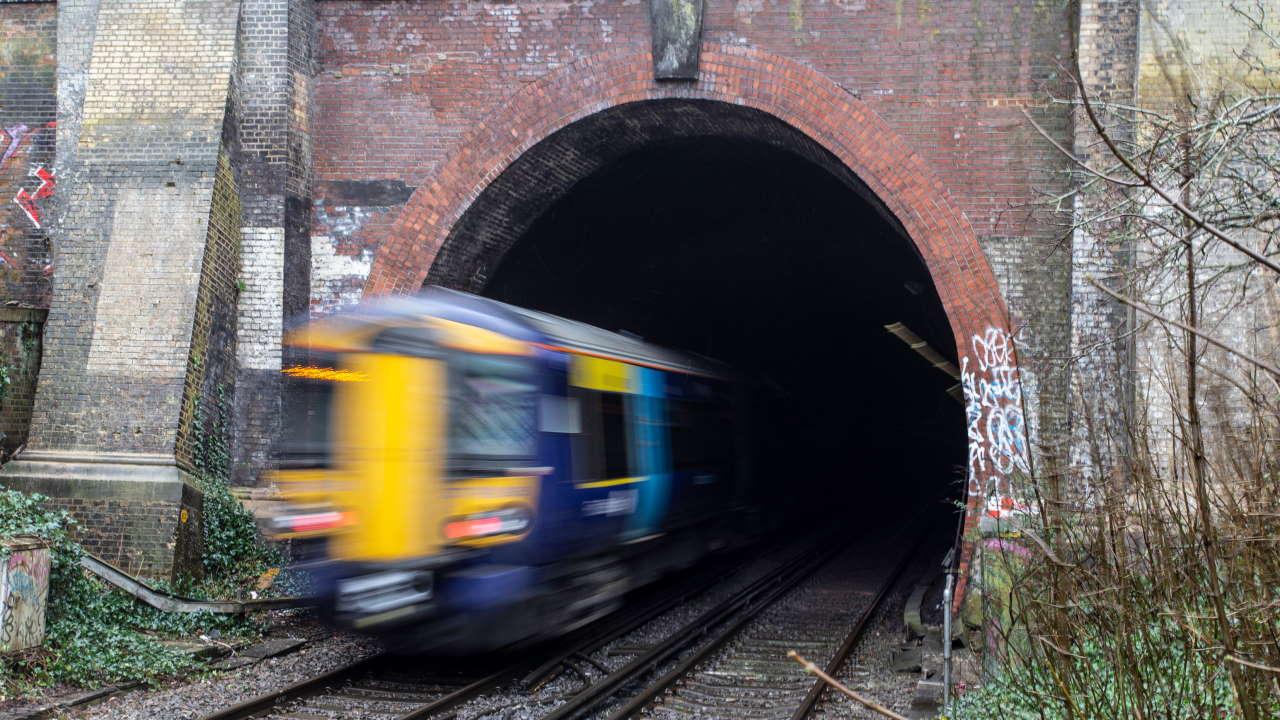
pixel 719 229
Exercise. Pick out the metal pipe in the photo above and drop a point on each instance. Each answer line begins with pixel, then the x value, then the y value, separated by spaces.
pixel 946 640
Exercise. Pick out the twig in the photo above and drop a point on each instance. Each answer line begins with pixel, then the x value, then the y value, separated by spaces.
pixel 1252 664
pixel 1146 180
pixel 870 704
pixel 1207 338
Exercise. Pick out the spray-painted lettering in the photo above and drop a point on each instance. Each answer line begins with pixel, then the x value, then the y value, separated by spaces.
pixel 996 426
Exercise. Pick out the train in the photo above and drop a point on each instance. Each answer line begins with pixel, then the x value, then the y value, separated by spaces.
pixel 462 475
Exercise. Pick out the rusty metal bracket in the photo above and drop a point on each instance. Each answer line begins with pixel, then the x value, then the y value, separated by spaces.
pixel 169 602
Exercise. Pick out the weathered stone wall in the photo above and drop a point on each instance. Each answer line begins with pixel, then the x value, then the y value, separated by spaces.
pixel 28 100
pixel 275 169
pixel 141 325
pixel 1196 58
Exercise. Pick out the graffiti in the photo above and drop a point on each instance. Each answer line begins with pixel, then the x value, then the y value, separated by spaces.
pixel 12 139
pixel 996 426
pixel 26 200
pixel 24 588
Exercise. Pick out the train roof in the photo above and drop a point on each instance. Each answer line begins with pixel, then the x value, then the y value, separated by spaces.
pixel 530 326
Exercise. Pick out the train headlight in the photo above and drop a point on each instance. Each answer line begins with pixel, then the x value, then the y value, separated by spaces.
pixel 507 521
pixel 309 521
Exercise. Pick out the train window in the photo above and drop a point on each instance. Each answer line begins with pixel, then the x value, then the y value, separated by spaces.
pixel 306 425
pixel 560 414
pixel 613 427
pixel 492 411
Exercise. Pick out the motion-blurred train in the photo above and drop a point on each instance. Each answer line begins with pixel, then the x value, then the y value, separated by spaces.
pixel 464 474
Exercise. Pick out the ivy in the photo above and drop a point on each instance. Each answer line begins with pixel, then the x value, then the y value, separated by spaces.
pixel 94 634
pixel 234 552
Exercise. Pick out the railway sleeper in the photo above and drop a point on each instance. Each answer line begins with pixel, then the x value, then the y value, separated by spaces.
pixel 726 691
pixel 686 707
pixel 751 698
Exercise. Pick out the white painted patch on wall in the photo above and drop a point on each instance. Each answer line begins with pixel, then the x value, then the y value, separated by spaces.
pixel 260 322
pixel 337 280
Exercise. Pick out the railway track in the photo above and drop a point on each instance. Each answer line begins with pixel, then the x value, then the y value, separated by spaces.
pixel 728 661
pixel 820 609
pixel 385 686
pixel 376 687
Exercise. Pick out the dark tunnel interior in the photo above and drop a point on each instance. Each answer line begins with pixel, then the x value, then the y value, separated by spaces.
pixel 748 253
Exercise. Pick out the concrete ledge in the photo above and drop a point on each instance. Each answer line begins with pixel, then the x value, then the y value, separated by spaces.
pixel 141 512
pixel 116 476
pixel 9 313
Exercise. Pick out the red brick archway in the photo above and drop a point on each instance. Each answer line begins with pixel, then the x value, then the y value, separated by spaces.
pixel 813 105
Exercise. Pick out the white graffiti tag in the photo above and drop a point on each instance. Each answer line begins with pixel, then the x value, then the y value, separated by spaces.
pixel 993 409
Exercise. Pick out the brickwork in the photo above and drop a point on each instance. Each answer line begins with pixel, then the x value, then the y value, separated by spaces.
pixel 20 347
pixel 1192 55
pixel 138 536
pixel 141 324
pixel 1102 390
pixel 274 163
pixel 132 239
pixel 468 88
pixel 469 106
pixel 211 364
pixel 223 164
pixel 28 100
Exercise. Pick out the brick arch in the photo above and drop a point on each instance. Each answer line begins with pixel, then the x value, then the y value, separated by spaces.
pixel 796 97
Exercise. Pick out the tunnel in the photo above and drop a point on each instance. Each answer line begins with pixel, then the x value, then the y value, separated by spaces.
pixel 721 230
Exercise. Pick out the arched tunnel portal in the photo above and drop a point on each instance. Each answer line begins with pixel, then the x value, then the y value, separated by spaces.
pixel 719 229
pixel 776 227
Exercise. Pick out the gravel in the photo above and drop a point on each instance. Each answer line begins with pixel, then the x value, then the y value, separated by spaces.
pixel 867 671
pixel 325 650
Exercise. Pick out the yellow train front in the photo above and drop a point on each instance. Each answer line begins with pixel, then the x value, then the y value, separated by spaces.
pixel 462 474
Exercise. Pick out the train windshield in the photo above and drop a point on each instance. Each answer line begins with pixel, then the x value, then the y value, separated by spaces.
pixel 307 401
pixel 492 413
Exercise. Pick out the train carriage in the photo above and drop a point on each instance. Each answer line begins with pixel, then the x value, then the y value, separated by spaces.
pixel 463 474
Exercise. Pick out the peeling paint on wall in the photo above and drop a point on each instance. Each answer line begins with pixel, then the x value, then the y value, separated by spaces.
pixel 337 280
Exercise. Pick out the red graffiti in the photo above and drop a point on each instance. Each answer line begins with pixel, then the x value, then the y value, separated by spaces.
pixel 26 200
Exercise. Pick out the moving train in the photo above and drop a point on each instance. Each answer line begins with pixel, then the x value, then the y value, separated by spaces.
pixel 462 474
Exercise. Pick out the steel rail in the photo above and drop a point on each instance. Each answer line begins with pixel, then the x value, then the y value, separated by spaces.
pixel 320 683
pixel 757 596
pixel 310 686
pixel 300 688
pixel 855 632
pixel 463 694
pixel 601 637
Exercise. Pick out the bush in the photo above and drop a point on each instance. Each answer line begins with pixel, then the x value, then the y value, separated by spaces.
pixel 94 634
